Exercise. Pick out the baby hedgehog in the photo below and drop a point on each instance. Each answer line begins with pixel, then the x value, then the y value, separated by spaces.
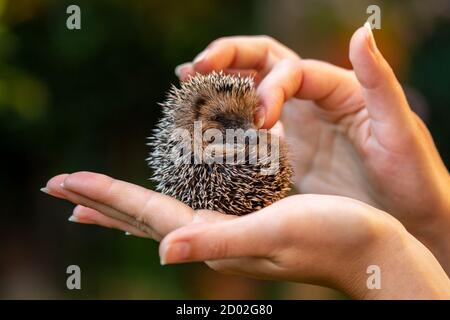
pixel 237 180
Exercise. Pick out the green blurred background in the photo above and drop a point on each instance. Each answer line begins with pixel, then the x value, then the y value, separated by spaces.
pixel 86 99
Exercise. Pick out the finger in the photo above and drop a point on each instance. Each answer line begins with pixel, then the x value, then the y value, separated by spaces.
pixel 278 129
pixel 384 96
pixel 162 213
pixel 204 215
pixel 54 186
pixel 140 206
pixel 242 52
pixel 334 89
pixel 331 87
pixel 87 215
pixel 183 71
pixel 241 237
pixel 282 82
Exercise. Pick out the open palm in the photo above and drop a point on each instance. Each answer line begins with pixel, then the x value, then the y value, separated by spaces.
pixel 324 159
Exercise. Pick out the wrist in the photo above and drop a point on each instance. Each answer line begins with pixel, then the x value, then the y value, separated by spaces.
pixel 434 231
pixel 405 268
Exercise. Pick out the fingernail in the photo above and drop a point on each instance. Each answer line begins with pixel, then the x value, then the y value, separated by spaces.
pixel 179 68
pixel 370 37
pixel 176 252
pixel 368 26
pixel 260 117
pixel 200 56
pixel 127 233
pixel 73 218
pixel 45 190
pixel 76 209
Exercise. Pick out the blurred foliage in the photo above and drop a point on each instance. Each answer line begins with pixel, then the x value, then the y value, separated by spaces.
pixel 431 76
pixel 87 99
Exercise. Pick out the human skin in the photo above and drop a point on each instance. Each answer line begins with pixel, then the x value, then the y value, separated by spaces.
pixel 353 133
pixel 319 239
pixel 345 138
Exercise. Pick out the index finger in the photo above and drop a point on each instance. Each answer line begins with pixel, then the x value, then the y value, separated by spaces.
pixel 241 52
pixel 160 212
pixel 335 90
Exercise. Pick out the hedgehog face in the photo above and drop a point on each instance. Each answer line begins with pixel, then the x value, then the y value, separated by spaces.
pixel 219 102
pixel 226 103
pixel 216 102
pixel 223 111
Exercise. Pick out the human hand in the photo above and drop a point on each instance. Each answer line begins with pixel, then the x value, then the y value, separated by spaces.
pixel 121 205
pixel 356 135
pixel 326 240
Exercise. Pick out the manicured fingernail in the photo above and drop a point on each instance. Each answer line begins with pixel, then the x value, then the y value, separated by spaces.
pixel 73 218
pixel 177 252
pixel 260 117
pixel 179 68
pixel 45 190
pixel 370 37
pixel 77 209
pixel 201 56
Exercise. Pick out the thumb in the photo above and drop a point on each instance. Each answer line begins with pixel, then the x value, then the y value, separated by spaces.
pixel 241 237
pixel 385 100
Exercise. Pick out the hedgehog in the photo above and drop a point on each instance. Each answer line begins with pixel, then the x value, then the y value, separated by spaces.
pixel 236 179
